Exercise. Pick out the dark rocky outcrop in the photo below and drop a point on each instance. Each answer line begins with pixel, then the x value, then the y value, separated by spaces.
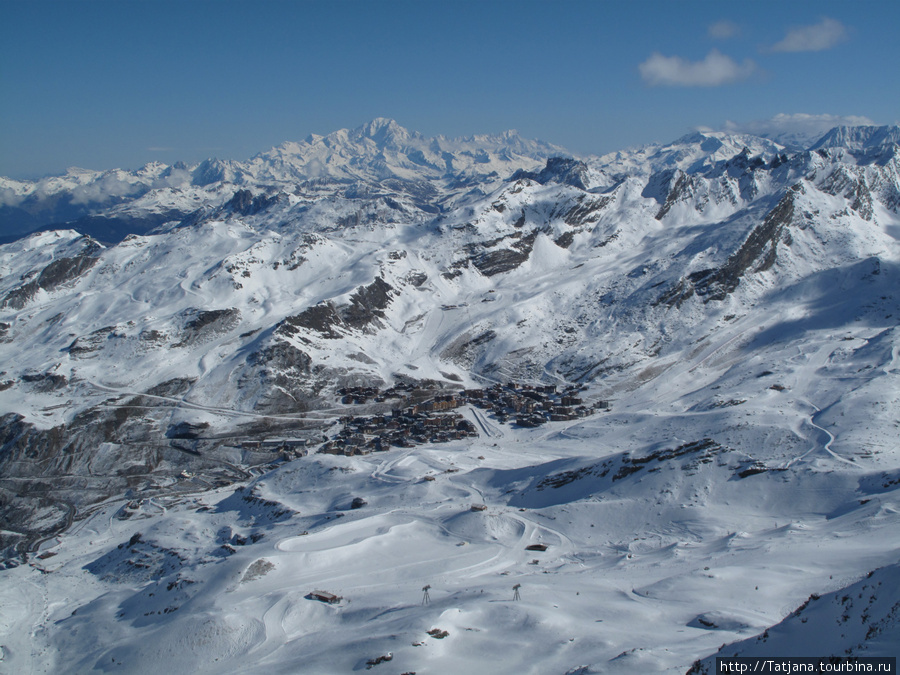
pixel 564 170
pixel 85 346
pixel 491 263
pixel 853 187
pixel 203 325
pixel 321 318
pixel 586 211
pixel 245 204
pixel 364 311
pixel 187 430
pixel 59 272
pixel 45 382
pixel 280 378
pixel 465 347
pixel 681 188
pixel 367 305
pixel 756 254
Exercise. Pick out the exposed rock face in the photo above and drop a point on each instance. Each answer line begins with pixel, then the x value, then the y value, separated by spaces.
pixel 45 382
pixel 500 261
pixel 187 430
pixel 681 189
pixel 87 346
pixel 321 318
pixel 587 211
pixel 564 170
pixel 853 186
pixel 283 376
pixel 756 254
pixel 363 312
pixel 367 305
pixel 46 475
pixel 465 348
pixel 491 263
pixel 203 325
pixel 54 275
pixel 245 204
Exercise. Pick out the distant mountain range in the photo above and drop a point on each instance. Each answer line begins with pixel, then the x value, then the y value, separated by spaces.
pixel 112 204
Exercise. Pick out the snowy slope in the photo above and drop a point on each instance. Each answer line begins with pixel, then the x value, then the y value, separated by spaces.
pixel 864 616
pixel 736 303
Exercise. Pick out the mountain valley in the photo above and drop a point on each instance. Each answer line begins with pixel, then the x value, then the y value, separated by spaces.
pixel 179 353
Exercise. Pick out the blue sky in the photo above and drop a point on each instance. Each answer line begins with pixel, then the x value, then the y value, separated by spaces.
pixel 103 84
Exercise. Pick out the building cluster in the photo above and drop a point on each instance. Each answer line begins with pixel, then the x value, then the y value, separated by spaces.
pixel 532 405
pixel 362 395
pixel 434 420
pixel 427 422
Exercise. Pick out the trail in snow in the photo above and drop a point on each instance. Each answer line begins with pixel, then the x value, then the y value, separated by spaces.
pixel 827 446
pixel 312 416
pixel 490 430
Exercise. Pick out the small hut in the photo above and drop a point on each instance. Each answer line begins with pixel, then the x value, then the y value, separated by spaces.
pixel 324 596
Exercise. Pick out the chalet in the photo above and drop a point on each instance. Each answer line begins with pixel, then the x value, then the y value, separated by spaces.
pixel 332 448
pixel 478 507
pixel 465 425
pixel 324 596
pixel 447 404
pixel 439 421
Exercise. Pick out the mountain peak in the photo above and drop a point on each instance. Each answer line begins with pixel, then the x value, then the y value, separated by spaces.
pixel 381 123
pixel 382 130
pixel 859 138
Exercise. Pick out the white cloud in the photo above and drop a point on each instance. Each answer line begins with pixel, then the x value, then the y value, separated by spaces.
pixel 716 69
pixel 798 129
pixel 722 30
pixel 823 35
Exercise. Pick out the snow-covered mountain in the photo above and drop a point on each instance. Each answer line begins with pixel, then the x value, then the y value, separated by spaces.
pixel 733 301
pixel 378 156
